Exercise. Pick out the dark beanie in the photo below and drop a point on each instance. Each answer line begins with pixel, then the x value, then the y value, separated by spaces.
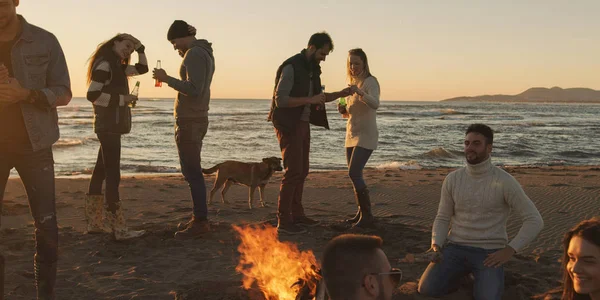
pixel 177 30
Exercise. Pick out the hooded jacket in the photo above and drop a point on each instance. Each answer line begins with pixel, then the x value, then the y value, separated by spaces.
pixel 196 72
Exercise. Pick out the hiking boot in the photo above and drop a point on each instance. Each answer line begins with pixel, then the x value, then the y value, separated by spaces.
pixel 306 221
pixel 289 228
pixel 195 229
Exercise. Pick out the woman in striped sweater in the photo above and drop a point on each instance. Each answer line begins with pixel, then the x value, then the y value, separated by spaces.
pixel 108 74
pixel 361 130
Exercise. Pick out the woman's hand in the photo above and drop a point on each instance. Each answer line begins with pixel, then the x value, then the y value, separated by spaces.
pixel 136 42
pixel 342 109
pixel 355 90
pixel 129 99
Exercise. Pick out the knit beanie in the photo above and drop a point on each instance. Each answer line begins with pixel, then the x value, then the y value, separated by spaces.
pixel 177 30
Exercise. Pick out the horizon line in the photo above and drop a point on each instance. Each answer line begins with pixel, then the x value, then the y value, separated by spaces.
pixel 173 98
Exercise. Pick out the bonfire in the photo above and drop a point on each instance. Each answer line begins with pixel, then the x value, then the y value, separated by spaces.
pixel 278 269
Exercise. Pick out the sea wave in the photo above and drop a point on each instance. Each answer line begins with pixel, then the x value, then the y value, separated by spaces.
pixel 68 142
pixel 576 154
pixel 451 111
pixel 149 168
pixel 402 165
pixel 439 153
pixel 75 121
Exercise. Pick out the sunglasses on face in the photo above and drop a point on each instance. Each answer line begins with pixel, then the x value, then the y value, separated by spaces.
pixel 395 275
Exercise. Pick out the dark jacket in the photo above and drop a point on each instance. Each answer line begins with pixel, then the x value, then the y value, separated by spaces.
pixel 305 71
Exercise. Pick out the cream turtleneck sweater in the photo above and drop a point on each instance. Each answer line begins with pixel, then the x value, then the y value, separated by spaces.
pixel 361 128
pixel 477 200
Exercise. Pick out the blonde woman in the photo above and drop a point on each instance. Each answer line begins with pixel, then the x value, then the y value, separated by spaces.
pixel 108 74
pixel 361 130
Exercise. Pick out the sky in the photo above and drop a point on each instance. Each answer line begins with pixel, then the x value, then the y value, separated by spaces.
pixel 421 50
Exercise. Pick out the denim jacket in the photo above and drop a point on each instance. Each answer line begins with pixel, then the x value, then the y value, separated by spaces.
pixel 39 64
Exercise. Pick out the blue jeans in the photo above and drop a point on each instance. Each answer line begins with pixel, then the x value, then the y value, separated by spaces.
pixel 458 261
pixel 189 134
pixel 357 158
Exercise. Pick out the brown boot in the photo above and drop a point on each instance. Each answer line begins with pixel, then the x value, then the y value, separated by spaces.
pixel 355 218
pixel 195 228
pixel 181 226
pixel 289 228
pixel 366 217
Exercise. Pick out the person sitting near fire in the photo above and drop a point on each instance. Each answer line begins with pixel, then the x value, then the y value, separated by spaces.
pixel 354 267
pixel 475 202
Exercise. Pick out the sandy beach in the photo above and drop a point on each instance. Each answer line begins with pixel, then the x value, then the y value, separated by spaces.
pixel 159 267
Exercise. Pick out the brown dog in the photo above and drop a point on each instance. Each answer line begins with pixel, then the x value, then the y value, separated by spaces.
pixel 251 175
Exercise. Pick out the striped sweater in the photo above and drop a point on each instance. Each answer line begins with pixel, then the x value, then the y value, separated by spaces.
pixel 101 76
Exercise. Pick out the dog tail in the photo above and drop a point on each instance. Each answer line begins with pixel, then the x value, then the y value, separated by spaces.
pixel 211 170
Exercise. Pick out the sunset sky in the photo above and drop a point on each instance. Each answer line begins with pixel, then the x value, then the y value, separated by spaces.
pixel 419 50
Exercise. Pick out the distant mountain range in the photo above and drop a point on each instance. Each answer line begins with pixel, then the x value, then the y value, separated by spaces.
pixel 555 94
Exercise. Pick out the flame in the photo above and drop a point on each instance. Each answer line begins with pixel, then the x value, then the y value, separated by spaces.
pixel 273 265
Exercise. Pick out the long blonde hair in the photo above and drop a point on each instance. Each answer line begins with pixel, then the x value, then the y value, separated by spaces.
pixel 365 73
pixel 104 49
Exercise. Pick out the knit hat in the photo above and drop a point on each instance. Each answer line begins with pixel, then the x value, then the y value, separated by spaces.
pixel 177 30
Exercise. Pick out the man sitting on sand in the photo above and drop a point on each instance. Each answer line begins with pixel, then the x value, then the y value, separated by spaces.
pixel 477 200
pixel 354 267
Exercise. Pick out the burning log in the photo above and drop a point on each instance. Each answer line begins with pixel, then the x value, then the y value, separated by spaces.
pixel 312 288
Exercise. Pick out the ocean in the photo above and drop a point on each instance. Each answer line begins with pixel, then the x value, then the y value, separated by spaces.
pixel 412 135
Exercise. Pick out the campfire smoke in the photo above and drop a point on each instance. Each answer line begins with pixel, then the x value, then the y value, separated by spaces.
pixel 279 269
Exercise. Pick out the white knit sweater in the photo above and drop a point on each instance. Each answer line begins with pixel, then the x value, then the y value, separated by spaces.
pixel 361 128
pixel 477 200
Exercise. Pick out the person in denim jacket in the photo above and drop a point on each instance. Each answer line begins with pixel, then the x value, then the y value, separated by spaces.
pixel 34 80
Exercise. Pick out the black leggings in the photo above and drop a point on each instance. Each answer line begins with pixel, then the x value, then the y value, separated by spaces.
pixel 108 167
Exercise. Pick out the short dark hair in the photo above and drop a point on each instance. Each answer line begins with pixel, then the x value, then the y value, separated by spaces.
pixel 345 259
pixel 483 130
pixel 320 40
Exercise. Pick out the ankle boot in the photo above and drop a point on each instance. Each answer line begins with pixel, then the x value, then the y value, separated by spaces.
pixel 94 214
pixel 45 279
pixel 195 228
pixel 355 218
pixel 119 227
pixel 366 217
